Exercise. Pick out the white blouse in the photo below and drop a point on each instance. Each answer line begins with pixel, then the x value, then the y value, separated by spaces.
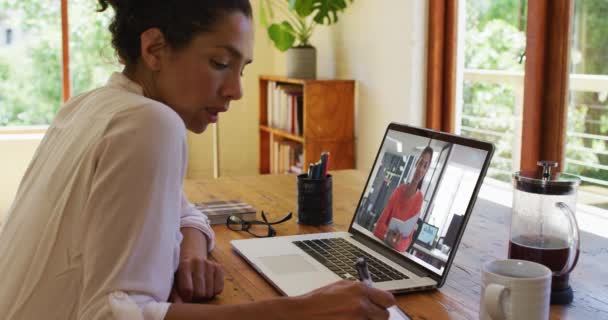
pixel 93 232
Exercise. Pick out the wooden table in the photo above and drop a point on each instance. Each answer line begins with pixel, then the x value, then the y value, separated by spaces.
pixel 486 238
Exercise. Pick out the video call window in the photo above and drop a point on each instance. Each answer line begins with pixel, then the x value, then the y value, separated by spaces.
pixel 417 195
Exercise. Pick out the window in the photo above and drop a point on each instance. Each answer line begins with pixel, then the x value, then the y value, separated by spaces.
pixel 587 138
pixel 30 69
pixel 492 70
pixel 510 83
pixel 31 80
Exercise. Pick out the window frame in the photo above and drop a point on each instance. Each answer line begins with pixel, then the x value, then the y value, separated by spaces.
pixel 441 65
pixel 546 76
pixel 65 51
pixel 545 108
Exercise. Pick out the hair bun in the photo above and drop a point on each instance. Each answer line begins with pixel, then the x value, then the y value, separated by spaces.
pixel 178 20
pixel 116 4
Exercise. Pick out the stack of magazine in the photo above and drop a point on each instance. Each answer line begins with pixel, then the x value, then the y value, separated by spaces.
pixel 219 211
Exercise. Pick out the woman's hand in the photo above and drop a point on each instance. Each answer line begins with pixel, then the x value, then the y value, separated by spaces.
pixel 197 278
pixel 392 238
pixel 344 300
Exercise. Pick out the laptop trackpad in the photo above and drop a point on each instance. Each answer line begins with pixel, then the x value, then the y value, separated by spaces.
pixel 285 264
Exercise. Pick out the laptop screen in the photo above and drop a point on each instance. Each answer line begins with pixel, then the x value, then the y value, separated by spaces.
pixel 418 191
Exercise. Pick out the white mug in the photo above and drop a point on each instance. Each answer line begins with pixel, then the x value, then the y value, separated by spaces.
pixel 514 289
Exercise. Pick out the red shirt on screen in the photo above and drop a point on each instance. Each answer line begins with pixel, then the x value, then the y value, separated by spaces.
pixel 402 208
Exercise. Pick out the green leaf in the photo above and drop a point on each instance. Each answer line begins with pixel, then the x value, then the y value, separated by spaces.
pixel 302 7
pixel 283 35
pixel 326 11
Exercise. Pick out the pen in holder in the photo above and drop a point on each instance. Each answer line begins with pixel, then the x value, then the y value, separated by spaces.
pixel 315 200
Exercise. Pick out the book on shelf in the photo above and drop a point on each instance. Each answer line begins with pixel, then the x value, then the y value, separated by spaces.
pixel 286 157
pixel 219 211
pixel 284 106
pixel 316 114
pixel 295 169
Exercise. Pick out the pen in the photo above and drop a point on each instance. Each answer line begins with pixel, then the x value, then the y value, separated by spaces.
pixel 323 165
pixel 317 172
pixel 363 272
pixel 326 168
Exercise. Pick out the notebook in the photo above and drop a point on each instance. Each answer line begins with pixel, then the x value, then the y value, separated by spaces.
pixel 219 211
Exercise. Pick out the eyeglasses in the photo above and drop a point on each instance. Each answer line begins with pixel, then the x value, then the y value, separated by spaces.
pixel 258 229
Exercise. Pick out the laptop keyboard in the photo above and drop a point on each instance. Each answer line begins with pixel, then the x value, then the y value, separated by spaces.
pixel 340 256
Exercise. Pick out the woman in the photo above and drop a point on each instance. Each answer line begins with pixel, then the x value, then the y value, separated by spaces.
pixel 404 204
pixel 94 232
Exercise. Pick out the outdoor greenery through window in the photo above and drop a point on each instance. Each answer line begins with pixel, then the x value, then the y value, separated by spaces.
pixel 30 57
pixel 587 138
pixel 493 78
pixel 491 104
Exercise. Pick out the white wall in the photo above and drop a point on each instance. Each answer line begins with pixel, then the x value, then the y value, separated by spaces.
pixel 379 43
pixel 17 151
pixel 382 45
pixel 238 128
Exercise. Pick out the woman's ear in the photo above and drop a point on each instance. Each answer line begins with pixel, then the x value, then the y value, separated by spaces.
pixel 153 45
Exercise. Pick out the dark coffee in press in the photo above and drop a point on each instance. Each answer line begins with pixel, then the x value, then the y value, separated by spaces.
pixel 549 251
pixel 543 224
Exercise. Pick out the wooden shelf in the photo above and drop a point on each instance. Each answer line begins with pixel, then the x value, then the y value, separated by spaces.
pixel 281 133
pixel 284 79
pixel 327 122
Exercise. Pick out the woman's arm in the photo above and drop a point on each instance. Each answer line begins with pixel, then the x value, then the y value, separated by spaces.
pixel 190 217
pixel 197 278
pixel 417 203
pixel 130 237
pixel 382 224
pixel 346 300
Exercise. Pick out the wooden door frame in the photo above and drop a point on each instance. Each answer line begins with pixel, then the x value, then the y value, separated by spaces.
pixel 545 106
pixel 546 82
pixel 441 65
pixel 65 51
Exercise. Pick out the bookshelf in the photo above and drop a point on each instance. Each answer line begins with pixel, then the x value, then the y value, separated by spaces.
pixel 300 118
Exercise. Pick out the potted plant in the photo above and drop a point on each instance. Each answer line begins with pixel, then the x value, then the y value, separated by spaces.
pixel 291 23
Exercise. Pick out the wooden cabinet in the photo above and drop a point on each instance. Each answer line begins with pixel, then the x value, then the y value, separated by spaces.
pixel 327 123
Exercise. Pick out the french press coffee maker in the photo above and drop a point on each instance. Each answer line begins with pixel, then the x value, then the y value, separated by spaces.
pixel 543 225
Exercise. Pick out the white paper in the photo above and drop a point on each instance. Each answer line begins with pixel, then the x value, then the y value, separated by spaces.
pixel 396 314
pixel 404 227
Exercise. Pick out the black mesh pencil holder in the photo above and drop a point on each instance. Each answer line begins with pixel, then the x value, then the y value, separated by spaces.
pixel 314 200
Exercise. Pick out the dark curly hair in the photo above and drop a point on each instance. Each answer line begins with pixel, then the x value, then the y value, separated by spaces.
pixel 429 151
pixel 178 20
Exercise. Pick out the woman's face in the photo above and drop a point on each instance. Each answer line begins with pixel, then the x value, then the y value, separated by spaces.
pixel 421 167
pixel 200 80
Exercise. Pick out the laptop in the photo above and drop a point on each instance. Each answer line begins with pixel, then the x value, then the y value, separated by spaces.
pixel 298 264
